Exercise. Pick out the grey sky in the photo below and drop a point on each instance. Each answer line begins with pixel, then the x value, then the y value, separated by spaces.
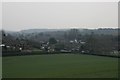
pixel 29 15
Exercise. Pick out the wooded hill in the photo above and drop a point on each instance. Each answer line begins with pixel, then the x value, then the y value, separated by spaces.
pixel 89 41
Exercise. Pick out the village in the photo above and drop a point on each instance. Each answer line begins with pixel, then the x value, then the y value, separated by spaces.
pixel 71 41
pixel 52 45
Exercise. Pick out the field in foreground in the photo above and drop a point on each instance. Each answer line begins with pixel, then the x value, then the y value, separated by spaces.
pixel 60 66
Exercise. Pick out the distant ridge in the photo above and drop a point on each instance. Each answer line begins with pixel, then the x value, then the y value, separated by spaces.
pixel 40 30
pixel 113 31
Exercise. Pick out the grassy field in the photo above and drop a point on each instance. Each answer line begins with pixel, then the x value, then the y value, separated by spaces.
pixel 0 67
pixel 60 66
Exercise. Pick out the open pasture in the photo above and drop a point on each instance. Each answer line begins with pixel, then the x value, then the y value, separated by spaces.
pixel 60 66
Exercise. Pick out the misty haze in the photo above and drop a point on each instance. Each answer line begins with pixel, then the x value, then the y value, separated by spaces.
pixel 60 40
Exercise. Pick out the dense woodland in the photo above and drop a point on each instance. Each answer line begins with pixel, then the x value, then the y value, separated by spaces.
pixel 83 41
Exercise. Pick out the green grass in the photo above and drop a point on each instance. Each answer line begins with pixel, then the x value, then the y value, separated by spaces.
pixel 0 67
pixel 60 66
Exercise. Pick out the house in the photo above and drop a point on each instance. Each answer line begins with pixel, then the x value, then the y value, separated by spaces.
pixel 82 42
pixel 2 45
pixel 64 51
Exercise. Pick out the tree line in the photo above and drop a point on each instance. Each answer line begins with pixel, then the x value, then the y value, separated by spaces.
pixel 72 41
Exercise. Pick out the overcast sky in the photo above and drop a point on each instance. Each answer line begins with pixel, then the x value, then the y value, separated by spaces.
pixel 29 15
